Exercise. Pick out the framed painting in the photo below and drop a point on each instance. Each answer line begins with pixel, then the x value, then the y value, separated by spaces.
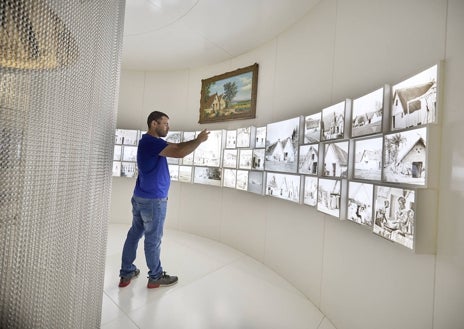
pixel 229 96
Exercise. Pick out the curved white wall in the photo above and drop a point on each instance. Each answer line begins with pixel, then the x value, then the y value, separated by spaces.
pixel 341 49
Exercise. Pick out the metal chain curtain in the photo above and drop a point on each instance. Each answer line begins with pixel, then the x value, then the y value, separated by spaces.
pixel 59 78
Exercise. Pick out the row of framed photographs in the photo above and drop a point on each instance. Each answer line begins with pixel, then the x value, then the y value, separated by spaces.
pixel 397 157
pixel 388 211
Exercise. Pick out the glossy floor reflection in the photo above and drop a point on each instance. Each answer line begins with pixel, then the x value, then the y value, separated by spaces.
pixel 218 288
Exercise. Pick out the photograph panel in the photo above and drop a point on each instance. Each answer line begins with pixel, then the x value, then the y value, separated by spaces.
pixel 405 157
pixel 209 152
pixel 256 182
pixel 414 100
pixel 174 172
pixel 126 136
pixel 129 153
pixel 207 176
pixel 230 177
pixel 336 159
pixel 258 159
pixel 231 139
pixel 308 159
pixel 188 159
pixel 185 174
pixel 367 114
pixel 128 169
pixel 260 139
pixel 245 158
pixel 360 203
pixel 282 146
pixel 312 128
pixel 310 191
pixel 368 158
pixel 230 158
pixel 242 180
pixel 395 214
pixel 283 186
pixel 329 196
pixel 333 122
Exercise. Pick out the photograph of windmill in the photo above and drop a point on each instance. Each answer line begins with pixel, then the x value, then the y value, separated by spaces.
pixel 405 156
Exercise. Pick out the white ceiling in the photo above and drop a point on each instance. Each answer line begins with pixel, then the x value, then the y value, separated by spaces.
pixel 180 34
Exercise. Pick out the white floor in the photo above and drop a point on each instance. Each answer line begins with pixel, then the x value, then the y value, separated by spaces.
pixel 219 287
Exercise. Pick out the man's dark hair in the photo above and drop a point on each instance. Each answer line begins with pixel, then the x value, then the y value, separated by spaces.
pixel 155 116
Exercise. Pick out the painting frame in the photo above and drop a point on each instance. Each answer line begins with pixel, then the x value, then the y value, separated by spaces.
pixel 216 108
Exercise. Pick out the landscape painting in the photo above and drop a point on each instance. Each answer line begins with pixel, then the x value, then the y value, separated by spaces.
pixel 229 96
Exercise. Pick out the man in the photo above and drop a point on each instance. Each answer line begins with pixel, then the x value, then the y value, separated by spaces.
pixel 149 200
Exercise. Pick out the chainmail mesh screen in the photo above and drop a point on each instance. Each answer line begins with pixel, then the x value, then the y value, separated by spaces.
pixel 59 77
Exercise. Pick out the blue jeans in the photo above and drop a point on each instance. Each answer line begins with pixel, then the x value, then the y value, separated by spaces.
pixel 148 217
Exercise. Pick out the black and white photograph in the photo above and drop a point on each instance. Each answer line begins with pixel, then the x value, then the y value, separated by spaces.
pixel 258 159
pixel 230 158
pixel 188 159
pixel 117 152
pixel 126 136
pixel 312 128
pixel 308 159
pixel 333 122
pixel 283 186
pixel 368 158
pixel 394 214
pixel 231 139
pixel 242 180
pixel 173 137
pixel 229 178
pixel 282 140
pixel 367 114
pixel 310 191
pixel 260 139
pixel 116 168
pixel 185 174
pixel 128 169
pixel 405 156
pixel 129 153
pixel 414 100
pixel 245 158
pixel 244 136
pixel 336 159
pixel 329 196
pixel 256 182
pixel 174 172
pixel 360 203
pixel 209 152
pixel 207 176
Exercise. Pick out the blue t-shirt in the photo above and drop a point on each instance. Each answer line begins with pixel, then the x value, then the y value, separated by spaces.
pixel 153 178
